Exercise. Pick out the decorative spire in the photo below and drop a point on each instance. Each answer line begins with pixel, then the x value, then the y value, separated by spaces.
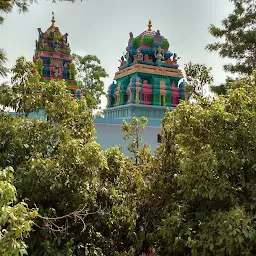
pixel 53 20
pixel 149 25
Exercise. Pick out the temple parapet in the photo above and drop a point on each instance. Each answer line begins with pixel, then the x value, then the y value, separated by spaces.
pixel 154 70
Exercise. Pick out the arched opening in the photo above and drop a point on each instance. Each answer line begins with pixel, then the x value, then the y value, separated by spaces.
pixel 162 100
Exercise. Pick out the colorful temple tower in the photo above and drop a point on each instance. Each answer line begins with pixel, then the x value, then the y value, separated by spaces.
pixel 148 81
pixel 53 59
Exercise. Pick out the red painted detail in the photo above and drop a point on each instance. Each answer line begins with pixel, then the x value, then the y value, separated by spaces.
pixel 145 45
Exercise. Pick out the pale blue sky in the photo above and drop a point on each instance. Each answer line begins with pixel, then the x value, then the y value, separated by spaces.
pixel 102 27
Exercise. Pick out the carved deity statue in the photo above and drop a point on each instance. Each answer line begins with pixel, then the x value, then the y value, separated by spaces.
pixel 158 39
pixel 159 56
pixel 127 55
pixel 138 56
pixel 56 72
pixel 43 45
pixel 65 47
pixel 37 45
pixel 147 58
pixel 64 38
pixel 172 60
pixel 169 62
pixel 56 33
pixel 56 45
pixel 130 42
pixel 175 58
pixel 122 61
pixel 41 34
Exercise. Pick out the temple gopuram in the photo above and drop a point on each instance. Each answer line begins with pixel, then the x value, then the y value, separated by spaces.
pixel 148 81
pixel 53 59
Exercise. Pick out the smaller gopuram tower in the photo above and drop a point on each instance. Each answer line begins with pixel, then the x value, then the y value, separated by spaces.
pixel 148 81
pixel 53 59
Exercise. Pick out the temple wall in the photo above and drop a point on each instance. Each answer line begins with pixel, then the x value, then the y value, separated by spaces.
pixel 110 134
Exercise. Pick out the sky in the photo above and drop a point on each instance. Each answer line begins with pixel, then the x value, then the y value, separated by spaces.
pixel 102 27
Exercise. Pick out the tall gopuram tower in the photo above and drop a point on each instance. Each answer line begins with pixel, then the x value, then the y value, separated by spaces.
pixel 148 81
pixel 53 59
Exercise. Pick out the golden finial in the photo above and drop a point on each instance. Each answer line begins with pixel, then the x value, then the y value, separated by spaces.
pixel 53 20
pixel 149 25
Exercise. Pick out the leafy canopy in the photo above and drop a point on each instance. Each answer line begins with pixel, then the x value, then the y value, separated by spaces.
pixel 132 132
pixel 16 218
pixel 202 196
pixel 89 78
pixel 198 76
pixel 238 33
pixel 223 88
pixel 87 199
pixel 24 95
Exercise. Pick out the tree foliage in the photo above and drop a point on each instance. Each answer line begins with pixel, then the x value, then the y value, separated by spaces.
pixel 86 198
pixel 198 76
pixel 16 218
pixel 6 6
pixel 89 77
pixel 99 114
pixel 132 132
pixel 202 196
pixel 238 32
pixel 3 59
pixel 223 88
pixel 24 94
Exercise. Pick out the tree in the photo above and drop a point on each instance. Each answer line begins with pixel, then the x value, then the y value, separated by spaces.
pixel 26 87
pixel 202 196
pixel 99 114
pixel 89 75
pixel 238 33
pixel 24 94
pixel 132 131
pixel 3 59
pixel 6 6
pixel 198 76
pixel 223 88
pixel 86 198
pixel 16 219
